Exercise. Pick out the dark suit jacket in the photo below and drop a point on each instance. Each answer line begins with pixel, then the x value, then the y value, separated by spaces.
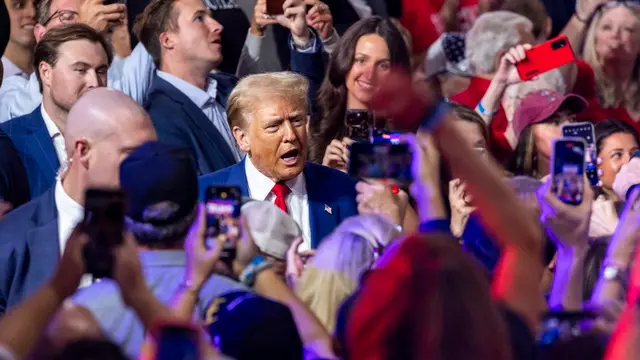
pixel 14 184
pixel 35 147
pixel 332 194
pixel 29 249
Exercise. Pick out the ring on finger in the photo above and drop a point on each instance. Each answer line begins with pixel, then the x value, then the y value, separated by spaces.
pixel 266 17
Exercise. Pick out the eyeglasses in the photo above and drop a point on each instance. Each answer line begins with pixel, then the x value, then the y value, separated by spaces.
pixel 65 17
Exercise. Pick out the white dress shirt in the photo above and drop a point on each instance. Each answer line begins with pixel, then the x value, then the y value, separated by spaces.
pixel 206 101
pixel 133 76
pixel 297 201
pixel 56 136
pixel 11 69
pixel 70 213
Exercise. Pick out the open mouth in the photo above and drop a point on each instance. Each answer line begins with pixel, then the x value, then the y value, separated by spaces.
pixel 291 157
pixel 365 85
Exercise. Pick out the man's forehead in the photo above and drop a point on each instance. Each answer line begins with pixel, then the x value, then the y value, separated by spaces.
pixel 69 5
pixel 81 50
pixel 191 6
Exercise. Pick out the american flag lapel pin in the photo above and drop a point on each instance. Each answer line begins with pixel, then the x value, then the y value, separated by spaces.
pixel 327 208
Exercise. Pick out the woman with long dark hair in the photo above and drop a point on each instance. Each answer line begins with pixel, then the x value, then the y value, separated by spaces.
pixel 366 53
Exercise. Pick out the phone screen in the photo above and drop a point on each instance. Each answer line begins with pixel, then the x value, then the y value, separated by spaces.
pixel 568 170
pixel 381 161
pixel 563 325
pixel 586 132
pixel 223 217
pixel 104 225
pixel 177 343
pixel 359 124
pixel 386 137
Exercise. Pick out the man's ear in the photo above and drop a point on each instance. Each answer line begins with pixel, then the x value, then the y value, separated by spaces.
pixel 38 32
pixel 242 139
pixel 81 152
pixel 46 74
pixel 167 40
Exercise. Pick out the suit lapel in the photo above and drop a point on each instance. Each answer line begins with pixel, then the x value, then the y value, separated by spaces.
pixel 238 177
pixel 41 144
pixel 323 216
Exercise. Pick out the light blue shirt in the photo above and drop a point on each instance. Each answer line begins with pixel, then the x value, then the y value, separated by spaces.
pixel 206 101
pixel 132 76
pixel 163 272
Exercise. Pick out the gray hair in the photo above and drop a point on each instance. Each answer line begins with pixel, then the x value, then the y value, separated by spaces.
pixel 492 33
pixel 550 80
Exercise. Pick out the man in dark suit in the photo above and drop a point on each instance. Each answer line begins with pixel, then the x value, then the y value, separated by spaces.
pixel 268 115
pixel 102 127
pixel 186 101
pixel 72 59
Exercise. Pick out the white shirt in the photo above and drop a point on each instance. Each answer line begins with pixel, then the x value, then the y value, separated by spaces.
pixel 70 213
pixel 56 136
pixel 297 201
pixel 11 69
pixel 206 101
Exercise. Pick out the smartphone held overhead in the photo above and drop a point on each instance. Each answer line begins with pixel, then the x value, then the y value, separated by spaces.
pixel 545 57
pixel 567 170
pixel 222 207
pixel 386 161
pixel 275 7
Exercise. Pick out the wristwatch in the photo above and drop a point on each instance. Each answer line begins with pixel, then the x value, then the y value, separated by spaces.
pixel 257 265
pixel 614 273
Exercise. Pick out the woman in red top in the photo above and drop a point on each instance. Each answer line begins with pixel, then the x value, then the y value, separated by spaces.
pixel 611 48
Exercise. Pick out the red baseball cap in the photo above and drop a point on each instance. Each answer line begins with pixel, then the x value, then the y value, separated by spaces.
pixel 540 105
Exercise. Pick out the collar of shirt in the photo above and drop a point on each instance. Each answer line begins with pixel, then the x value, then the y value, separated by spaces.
pixel 52 128
pixel 11 69
pixel 163 258
pixel 70 213
pixel 195 94
pixel 260 185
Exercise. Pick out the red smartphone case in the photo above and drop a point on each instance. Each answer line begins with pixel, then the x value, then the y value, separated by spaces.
pixel 546 56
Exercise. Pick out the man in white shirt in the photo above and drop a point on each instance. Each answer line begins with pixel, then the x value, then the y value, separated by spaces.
pixel 17 57
pixel 102 128
pixel 72 59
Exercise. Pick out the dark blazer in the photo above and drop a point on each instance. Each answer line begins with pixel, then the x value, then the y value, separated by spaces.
pixel 35 147
pixel 14 184
pixel 331 194
pixel 29 249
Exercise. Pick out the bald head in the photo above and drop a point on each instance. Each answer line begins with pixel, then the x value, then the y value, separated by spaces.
pixel 103 127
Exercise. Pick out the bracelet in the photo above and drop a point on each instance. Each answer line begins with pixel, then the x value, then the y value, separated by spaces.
pixel 434 116
pixel 484 111
pixel 580 19
pixel 249 274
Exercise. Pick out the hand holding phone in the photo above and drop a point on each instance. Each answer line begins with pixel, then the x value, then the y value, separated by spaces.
pixel 567 170
pixel 359 124
pixel 222 206
pixel 275 7
pixel 545 57
pixel 104 225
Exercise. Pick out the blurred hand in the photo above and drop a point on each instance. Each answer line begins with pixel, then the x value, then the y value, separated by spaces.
pixel 296 261
pixel 374 197
pixel 604 218
pixel 425 168
pixel 585 8
pixel 260 18
pixel 120 38
pixel 628 176
pixel 319 17
pixel 460 206
pixel 71 267
pixel 101 17
pixel 127 271
pixel 246 250
pixel 200 260
pixel 5 207
pixel 294 20
pixel 566 225
pixel 507 73
pixel 337 155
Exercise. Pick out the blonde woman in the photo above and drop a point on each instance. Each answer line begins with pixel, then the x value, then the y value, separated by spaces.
pixel 334 272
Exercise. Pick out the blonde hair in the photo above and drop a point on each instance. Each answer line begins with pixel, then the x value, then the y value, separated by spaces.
pixel 608 91
pixel 492 33
pixel 341 259
pixel 253 90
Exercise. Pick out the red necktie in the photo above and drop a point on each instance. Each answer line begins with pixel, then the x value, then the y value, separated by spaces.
pixel 280 190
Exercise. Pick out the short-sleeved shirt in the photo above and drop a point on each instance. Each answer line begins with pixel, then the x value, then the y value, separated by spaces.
pixel 163 272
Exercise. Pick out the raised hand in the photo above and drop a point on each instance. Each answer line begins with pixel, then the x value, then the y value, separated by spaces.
pixel 507 73
pixel 101 17
pixel 319 18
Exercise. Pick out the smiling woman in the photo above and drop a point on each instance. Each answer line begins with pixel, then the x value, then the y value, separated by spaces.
pixel 366 52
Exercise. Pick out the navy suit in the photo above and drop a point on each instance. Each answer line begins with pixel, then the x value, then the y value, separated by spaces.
pixel 14 184
pixel 178 121
pixel 29 249
pixel 331 194
pixel 35 147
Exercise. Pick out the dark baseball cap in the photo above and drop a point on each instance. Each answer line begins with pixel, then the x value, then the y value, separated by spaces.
pixel 539 106
pixel 246 326
pixel 161 183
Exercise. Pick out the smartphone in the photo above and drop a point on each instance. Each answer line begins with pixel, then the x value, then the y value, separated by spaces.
pixel 586 132
pixel 222 204
pixel 546 56
pixel 564 325
pixel 176 341
pixel 359 124
pixel 385 137
pixel 567 170
pixel 275 7
pixel 104 225
pixel 390 162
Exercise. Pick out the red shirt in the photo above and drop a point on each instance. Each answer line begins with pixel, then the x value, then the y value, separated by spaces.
pixel 422 19
pixel 500 147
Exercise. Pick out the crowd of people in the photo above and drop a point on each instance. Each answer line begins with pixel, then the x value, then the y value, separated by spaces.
pixel 479 256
